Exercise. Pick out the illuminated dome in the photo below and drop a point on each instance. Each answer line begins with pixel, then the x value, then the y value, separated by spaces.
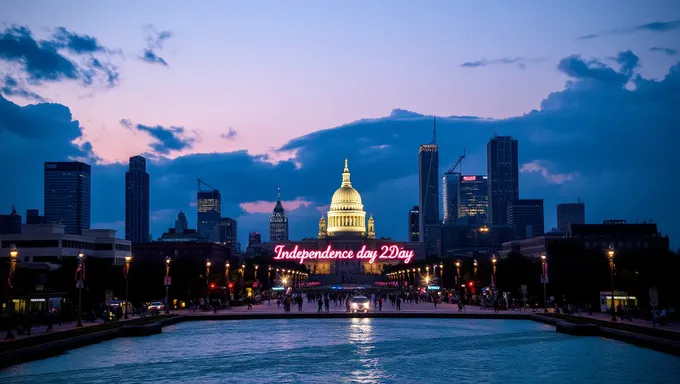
pixel 346 215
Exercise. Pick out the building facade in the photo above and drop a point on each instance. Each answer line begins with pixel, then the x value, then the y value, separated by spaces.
pixel 570 213
pixel 50 243
pixel 414 224
pixel 209 214
pixel 473 199
pixel 10 224
pixel 346 231
pixel 228 231
pixel 137 201
pixel 503 177
pixel 526 218
pixel 33 217
pixel 450 192
pixel 67 195
pixel 428 193
pixel 181 224
pixel 278 221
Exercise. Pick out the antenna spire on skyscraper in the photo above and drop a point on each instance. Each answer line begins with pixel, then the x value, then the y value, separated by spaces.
pixel 434 130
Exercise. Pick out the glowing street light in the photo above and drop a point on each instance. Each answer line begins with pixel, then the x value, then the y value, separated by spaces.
pixel 167 284
pixel 610 255
pixel 128 261
pixel 13 255
pixel 544 278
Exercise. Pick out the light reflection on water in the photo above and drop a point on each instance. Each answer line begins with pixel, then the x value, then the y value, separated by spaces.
pixel 354 351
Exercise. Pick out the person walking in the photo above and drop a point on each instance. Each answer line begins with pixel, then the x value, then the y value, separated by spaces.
pixel 320 304
pixel 380 303
pixel 398 303
pixel 327 303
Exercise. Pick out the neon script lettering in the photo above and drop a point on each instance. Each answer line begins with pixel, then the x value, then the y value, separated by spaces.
pixel 386 252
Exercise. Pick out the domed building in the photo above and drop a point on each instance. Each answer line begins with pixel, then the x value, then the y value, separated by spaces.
pixel 345 228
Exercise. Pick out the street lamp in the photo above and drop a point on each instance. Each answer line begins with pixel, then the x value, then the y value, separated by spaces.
pixel 460 293
pixel 493 274
pixel 167 284
pixel 13 255
pixel 79 283
pixel 207 276
pixel 128 259
pixel 610 255
pixel 269 277
pixel 226 282
pixel 243 280
pixel 441 275
pixel 544 280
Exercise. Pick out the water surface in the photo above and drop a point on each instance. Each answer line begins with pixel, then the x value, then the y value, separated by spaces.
pixel 354 351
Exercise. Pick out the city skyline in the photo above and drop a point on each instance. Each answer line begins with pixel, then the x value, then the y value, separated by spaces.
pixel 592 103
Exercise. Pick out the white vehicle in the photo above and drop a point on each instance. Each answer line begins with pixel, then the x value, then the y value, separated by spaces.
pixel 360 304
pixel 155 306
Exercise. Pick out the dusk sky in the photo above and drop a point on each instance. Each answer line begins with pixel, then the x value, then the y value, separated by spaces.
pixel 251 95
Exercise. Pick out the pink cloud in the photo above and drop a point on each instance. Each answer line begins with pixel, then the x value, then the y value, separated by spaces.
pixel 552 178
pixel 323 209
pixel 262 206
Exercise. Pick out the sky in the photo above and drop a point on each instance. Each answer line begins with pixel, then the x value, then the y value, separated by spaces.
pixel 251 95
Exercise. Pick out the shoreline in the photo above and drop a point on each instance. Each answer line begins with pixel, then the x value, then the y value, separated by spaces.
pixel 48 345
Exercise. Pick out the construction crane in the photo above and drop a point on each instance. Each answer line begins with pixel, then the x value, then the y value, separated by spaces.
pixel 458 164
pixel 205 184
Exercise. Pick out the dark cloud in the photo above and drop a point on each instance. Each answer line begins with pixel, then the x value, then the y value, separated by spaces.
pixel 230 134
pixel 668 51
pixel 154 41
pixel 595 139
pixel 164 139
pixel 656 26
pixel 574 66
pixel 520 61
pixel 79 44
pixel 41 60
pixel 10 87
pixel 150 57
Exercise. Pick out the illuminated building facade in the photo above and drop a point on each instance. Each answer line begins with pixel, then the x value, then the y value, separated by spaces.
pixel 209 214
pixel 278 222
pixel 503 171
pixel 346 240
pixel 450 191
pixel 414 224
pixel 473 199
pixel 428 193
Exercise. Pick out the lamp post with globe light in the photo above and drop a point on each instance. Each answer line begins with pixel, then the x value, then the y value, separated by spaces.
pixel 167 284
pixel 13 255
pixel 79 283
pixel 610 256
pixel 208 264
pixel 128 260
pixel 544 280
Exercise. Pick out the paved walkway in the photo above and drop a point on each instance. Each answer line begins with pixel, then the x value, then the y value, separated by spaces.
pixel 42 329
pixel 674 327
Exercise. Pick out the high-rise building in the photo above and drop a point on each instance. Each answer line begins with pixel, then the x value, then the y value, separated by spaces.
pixel 33 217
pixel 473 199
pixel 450 191
pixel 526 218
pixel 503 172
pixel 428 193
pixel 254 239
pixel 67 195
pixel 228 231
pixel 181 224
pixel 10 224
pixel 278 222
pixel 414 224
pixel 570 213
pixel 209 212
pixel 137 201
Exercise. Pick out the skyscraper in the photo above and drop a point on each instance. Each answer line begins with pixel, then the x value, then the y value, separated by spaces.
pixel 570 213
pixel 67 195
pixel 10 224
pixel 209 212
pixel 181 224
pixel 503 172
pixel 473 199
pixel 450 191
pixel 137 201
pixel 414 224
pixel 228 231
pixel 428 192
pixel 526 218
pixel 278 222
